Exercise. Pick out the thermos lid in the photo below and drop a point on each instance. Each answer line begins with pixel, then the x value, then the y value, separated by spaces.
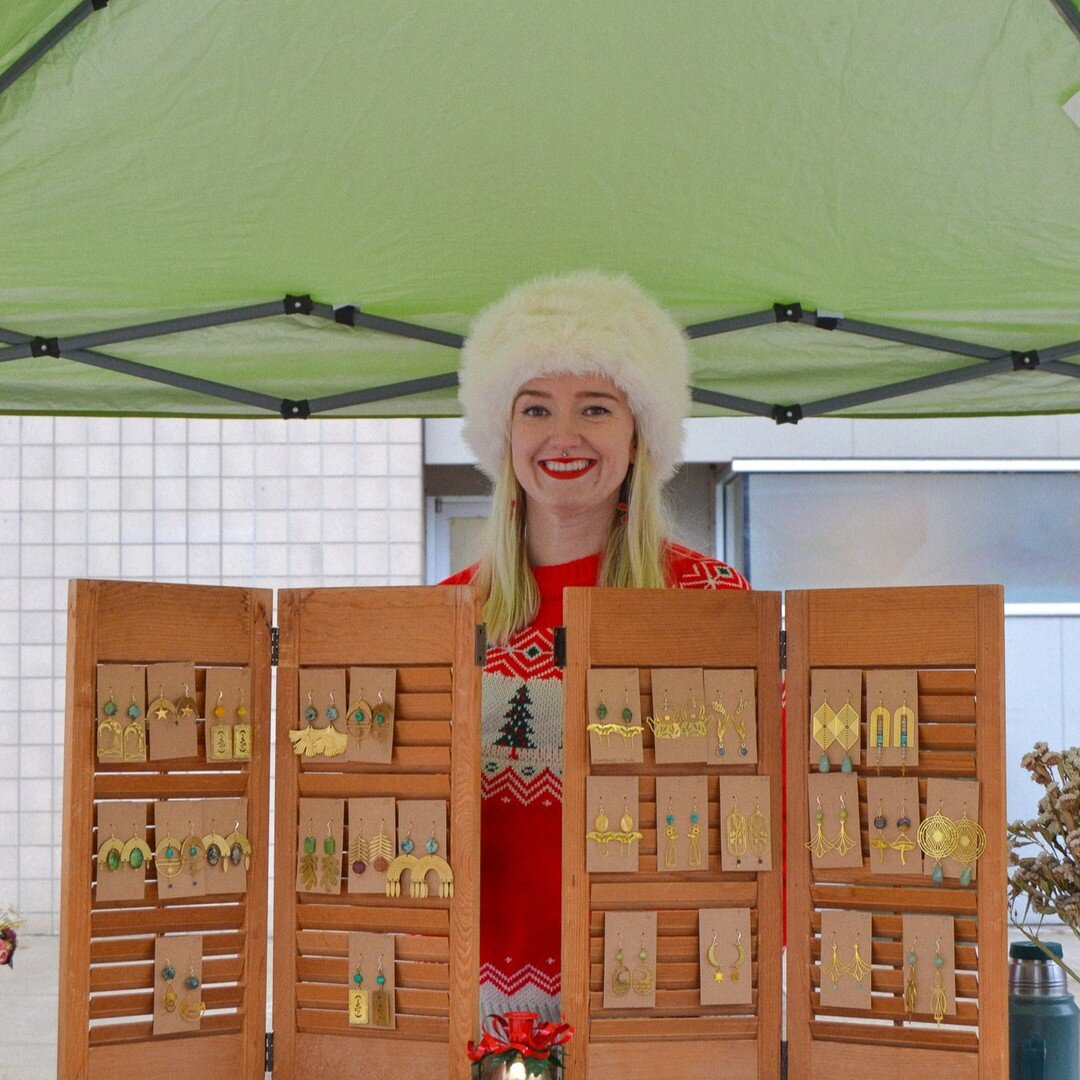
pixel 1028 950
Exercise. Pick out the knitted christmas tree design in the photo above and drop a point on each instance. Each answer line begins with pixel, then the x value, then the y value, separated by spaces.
pixel 516 733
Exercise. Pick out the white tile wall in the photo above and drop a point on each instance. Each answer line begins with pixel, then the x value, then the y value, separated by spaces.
pixel 228 502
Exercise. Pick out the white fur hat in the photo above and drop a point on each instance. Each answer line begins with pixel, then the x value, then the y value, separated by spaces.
pixel 580 323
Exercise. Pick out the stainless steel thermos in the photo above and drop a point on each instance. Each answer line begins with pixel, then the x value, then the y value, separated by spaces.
pixel 1044 1021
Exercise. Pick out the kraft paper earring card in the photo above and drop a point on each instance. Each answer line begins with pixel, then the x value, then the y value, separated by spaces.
pixel 679 719
pixel 369 719
pixel 615 723
pixel 732 704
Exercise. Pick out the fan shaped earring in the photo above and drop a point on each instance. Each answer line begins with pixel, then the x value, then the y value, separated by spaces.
pixel 843 842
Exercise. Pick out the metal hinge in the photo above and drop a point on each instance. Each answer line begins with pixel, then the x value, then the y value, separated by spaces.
pixel 480 648
pixel 783 1054
pixel 559 647
pixel 275 643
pixel 268 1060
pixel 783 650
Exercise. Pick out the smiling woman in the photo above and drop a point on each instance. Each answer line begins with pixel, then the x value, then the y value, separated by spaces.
pixel 574 391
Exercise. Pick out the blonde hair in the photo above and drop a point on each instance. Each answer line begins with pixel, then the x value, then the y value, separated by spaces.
pixel 632 558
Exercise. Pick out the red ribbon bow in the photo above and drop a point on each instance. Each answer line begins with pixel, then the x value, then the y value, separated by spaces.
pixel 538 1042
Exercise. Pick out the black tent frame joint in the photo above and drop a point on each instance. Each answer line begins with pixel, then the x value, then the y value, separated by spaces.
pixel 346 314
pixel 826 322
pixel 787 414
pixel 99 4
pixel 1025 361
pixel 297 305
pixel 788 312
pixel 295 410
pixel 41 346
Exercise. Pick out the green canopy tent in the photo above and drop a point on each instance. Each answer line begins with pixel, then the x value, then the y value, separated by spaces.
pixel 235 209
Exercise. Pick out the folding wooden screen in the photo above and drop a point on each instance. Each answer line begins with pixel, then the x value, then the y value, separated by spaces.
pixel 430 637
pixel 646 629
pixel 954 638
pixel 108 979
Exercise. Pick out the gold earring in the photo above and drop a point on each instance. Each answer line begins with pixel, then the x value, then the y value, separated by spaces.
pixel 134 738
pixel 970 844
pixel 694 835
pixel 186 705
pixel 168 973
pixel 665 725
pixel 642 979
pixel 902 718
pixel 903 843
pixel 192 851
pixel 847 733
pixel 221 736
pixel 878 729
pixel 237 849
pixel 110 737
pixel 758 828
pixel 381 850
pixel 736 832
pixel 330 871
pixel 601 834
pixel 358 999
pixel 824 730
pixel 306 740
pixel 161 706
pixel 168 859
pixel 381 718
pixel 359 854
pixel 937 838
pixel 843 842
pixel 858 967
pixel 718 974
pixel 216 848
pixel 939 1002
pixel 694 719
pixel 723 721
pixel 740 958
pixel 879 842
pixel 380 1000
pixel 911 993
pixel 242 732
pixel 671 852
pixel 629 834
pixel 834 970
pixel 358 722
pixel 192 1012
pixel 819 846
pixel 620 977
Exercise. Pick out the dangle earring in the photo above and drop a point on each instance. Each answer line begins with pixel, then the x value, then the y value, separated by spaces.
pixel 937 838
pixel 629 834
pixel 642 979
pixel 879 842
pixel 168 859
pixel 665 725
pixel 600 835
pixel 185 704
pixel 136 853
pixel 740 726
pixel 358 721
pixel 381 850
pixel 307 741
pixel 134 738
pixel 901 721
pixel 168 1000
pixel 358 999
pixel 740 958
pixel 824 730
pixel 694 835
pixel 620 977
pixel 110 854
pixel 694 719
pixel 237 848
pixel 242 732
pixel 381 717
pixel 216 848
pixel 308 864
pixel 843 842
pixel 903 843
pixel 161 706
pixel 878 728
pixel 380 1000
pixel 193 850
pixel 192 1012
pixel 671 852
pixel 736 833
pixel 834 970
pixel 718 974
pixel 858 967
pixel 359 855
pixel 939 1002
pixel 723 721
pixel 330 871
pixel 333 742
pixel 970 844
pixel 758 829
pixel 847 733
pixel 819 846
pixel 601 729
pixel 911 993
pixel 221 736
pixel 110 737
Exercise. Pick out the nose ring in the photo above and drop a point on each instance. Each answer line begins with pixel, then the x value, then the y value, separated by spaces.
pixel 566 453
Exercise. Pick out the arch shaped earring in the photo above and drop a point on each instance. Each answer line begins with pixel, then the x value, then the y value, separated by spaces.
pixel 110 736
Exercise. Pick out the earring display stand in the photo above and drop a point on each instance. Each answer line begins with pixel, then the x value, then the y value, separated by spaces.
pixel 646 629
pixel 953 637
pixel 108 979
pixel 429 636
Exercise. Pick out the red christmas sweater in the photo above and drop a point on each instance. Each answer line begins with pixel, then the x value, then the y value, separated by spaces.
pixel 521 789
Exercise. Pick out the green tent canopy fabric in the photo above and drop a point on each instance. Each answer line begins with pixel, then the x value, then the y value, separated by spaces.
pixel 901 180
